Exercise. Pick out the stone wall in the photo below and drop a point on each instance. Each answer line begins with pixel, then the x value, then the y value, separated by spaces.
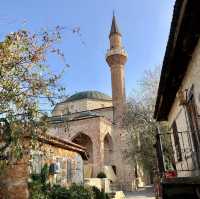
pixel 91 128
pixel 97 128
pixel 96 104
pixel 72 107
pixel 106 112
pixel 103 184
pixel 14 179
pixel 51 154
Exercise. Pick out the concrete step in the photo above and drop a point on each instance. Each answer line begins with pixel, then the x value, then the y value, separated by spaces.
pixel 114 187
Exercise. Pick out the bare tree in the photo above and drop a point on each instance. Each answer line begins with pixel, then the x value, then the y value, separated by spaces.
pixel 140 124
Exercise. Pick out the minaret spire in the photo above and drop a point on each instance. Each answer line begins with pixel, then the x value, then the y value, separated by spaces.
pixel 114 27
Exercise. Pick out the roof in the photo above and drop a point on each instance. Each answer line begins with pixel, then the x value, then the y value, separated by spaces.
pixel 79 115
pixel 183 38
pixel 72 117
pixel 63 143
pixel 114 27
pixel 89 95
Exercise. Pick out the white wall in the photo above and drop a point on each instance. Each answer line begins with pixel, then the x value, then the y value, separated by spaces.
pixel 178 112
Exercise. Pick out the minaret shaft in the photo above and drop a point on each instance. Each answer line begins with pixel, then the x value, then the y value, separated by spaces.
pixel 115 41
pixel 118 91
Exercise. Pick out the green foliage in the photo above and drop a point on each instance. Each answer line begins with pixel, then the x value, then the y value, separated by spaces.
pixel 80 192
pixel 39 188
pixel 58 192
pixel 45 191
pixel 101 175
pixel 99 194
pixel 36 177
pixel 74 192
pixel 77 192
pixel 44 174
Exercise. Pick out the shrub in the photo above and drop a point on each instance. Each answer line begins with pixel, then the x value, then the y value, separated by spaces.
pixel 58 192
pixel 80 192
pixel 99 194
pixel 44 174
pixel 35 177
pixel 40 189
pixel 101 175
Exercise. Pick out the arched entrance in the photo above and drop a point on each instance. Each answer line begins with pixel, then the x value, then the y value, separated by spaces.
pixel 85 141
pixel 108 150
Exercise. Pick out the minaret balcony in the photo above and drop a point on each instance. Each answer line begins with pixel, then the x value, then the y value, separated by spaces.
pixel 116 51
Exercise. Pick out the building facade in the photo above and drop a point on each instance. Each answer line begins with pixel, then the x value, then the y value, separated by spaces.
pixel 94 120
pixel 178 99
pixel 64 161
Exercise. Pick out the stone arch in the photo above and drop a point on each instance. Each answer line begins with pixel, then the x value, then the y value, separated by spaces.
pixel 108 149
pixel 85 141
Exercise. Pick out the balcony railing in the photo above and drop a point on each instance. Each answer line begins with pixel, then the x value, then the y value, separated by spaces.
pixel 116 51
pixel 186 152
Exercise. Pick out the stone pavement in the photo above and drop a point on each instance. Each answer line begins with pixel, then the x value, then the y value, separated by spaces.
pixel 142 193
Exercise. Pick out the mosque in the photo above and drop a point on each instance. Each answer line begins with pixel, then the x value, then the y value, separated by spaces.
pixel 94 120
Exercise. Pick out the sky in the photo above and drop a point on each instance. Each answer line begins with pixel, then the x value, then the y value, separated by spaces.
pixel 144 25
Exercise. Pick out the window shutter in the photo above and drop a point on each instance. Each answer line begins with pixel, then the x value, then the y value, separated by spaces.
pixel 177 142
pixel 69 170
pixel 193 122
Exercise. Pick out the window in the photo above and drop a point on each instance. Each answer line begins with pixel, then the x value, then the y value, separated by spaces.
pixel 69 170
pixel 58 178
pixel 193 121
pixel 58 169
pixel 192 113
pixel 176 141
pixel 36 163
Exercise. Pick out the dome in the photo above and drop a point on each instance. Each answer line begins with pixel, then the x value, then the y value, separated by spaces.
pixel 89 95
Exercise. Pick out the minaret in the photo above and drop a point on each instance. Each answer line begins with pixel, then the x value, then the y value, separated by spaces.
pixel 116 58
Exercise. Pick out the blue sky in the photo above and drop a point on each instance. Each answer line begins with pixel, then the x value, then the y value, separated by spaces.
pixel 144 25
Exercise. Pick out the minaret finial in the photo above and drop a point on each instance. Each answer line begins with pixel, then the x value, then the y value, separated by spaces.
pixel 114 28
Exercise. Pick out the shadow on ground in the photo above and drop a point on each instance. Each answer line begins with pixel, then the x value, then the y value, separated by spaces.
pixel 142 193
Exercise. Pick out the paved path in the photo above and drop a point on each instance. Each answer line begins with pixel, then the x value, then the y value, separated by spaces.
pixel 142 193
